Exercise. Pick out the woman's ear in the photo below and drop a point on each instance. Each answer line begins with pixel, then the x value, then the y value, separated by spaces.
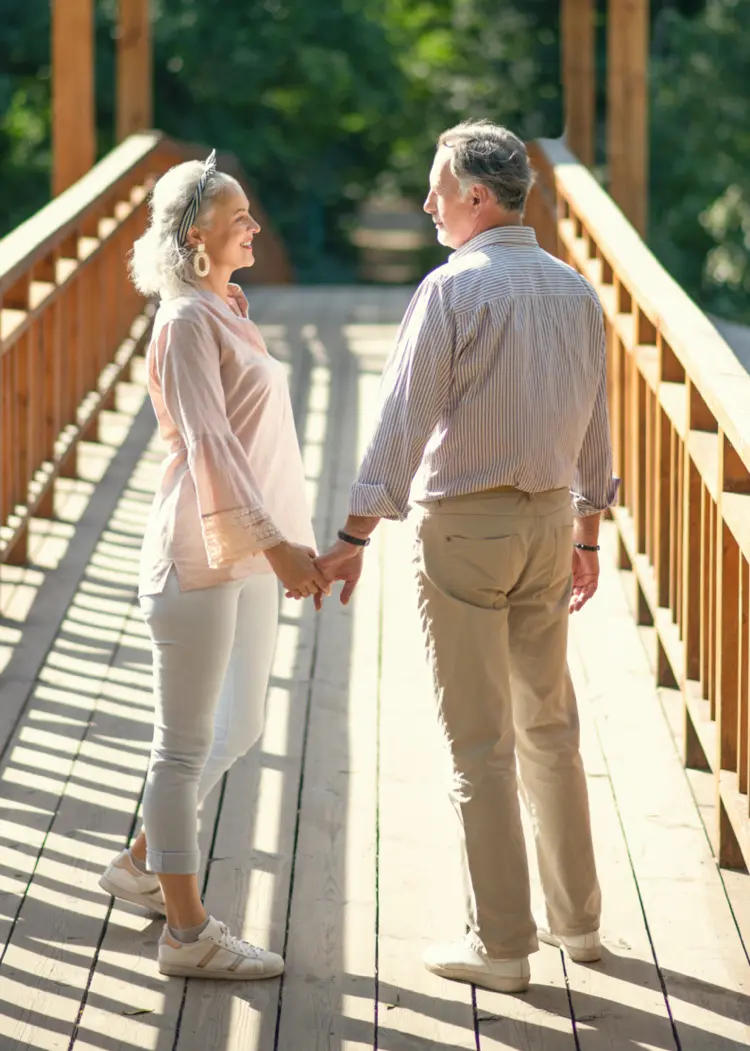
pixel 194 237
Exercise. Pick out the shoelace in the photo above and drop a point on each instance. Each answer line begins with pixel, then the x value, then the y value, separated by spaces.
pixel 238 945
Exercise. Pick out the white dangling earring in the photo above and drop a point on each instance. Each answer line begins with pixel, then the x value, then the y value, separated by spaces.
pixel 201 262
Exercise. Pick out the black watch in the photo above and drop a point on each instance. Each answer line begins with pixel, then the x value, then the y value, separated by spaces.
pixel 355 541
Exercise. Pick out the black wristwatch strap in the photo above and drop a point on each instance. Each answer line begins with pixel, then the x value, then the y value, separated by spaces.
pixel 355 540
pixel 587 547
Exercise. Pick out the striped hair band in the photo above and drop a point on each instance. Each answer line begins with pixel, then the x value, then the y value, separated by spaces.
pixel 191 212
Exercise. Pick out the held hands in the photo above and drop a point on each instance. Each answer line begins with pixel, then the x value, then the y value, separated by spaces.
pixel 294 565
pixel 341 562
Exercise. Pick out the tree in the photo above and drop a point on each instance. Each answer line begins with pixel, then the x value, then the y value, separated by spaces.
pixel 700 171
pixel 305 93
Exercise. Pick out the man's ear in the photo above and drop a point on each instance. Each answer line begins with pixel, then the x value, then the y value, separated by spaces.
pixel 479 194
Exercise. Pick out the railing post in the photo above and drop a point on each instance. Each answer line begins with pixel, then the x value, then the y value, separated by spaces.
pixel 627 108
pixel 577 25
pixel 134 69
pixel 73 121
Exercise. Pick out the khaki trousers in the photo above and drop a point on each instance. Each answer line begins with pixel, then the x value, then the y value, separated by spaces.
pixel 494 579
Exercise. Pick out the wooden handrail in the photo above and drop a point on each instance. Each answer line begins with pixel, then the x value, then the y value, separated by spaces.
pixel 70 321
pixel 680 409
pixel 33 240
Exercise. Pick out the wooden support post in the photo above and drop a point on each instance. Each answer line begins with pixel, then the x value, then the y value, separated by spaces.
pixel 134 70
pixel 578 50
pixel 73 119
pixel 627 107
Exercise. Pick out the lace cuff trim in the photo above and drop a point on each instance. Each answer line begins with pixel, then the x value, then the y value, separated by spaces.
pixel 231 536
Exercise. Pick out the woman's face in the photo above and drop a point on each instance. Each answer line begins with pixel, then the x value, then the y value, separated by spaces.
pixel 229 236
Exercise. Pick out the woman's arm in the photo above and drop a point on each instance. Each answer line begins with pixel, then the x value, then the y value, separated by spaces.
pixel 234 521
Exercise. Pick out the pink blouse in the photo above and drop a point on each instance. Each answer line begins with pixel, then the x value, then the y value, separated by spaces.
pixel 233 483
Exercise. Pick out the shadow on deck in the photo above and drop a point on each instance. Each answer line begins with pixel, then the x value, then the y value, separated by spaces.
pixel 333 840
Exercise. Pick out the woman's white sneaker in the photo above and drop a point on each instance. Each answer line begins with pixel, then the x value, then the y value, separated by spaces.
pixel 122 879
pixel 216 954
pixel 461 963
pixel 581 948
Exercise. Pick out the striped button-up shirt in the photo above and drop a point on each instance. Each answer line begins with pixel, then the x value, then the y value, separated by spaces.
pixel 498 378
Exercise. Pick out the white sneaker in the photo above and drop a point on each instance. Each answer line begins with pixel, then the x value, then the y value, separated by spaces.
pixel 122 879
pixel 581 948
pixel 461 963
pixel 216 954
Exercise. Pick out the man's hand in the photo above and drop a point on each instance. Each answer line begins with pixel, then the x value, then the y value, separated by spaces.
pixel 341 562
pixel 585 578
pixel 294 565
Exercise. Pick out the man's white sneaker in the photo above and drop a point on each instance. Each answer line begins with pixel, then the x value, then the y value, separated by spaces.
pixel 581 948
pixel 461 963
pixel 122 879
pixel 216 954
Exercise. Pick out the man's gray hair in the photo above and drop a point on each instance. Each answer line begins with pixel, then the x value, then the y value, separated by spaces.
pixel 489 154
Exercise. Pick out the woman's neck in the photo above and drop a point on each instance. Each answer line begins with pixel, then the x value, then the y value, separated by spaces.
pixel 216 281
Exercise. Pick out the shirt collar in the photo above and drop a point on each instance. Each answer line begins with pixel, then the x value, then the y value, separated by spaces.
pixel 517 236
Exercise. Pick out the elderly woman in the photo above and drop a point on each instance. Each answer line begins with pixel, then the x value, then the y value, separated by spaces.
pixel 230 517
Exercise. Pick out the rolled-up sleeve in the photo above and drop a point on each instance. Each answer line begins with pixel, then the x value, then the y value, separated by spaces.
pixel 414 395
pixel 233 520
pixel 594 489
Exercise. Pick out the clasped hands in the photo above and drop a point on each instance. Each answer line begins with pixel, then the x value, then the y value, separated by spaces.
pixel 305 574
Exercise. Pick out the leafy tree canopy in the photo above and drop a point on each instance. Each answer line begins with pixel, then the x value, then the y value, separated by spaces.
pixel 324 101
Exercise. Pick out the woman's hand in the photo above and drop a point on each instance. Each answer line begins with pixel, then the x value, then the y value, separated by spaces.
pixel 237 299
pixel 294 566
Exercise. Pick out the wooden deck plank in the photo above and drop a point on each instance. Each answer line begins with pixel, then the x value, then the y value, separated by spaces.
pixel 86 786
pixel 696 942
pixel 617 1003
pixel 254 853
pixel 328 994
pixel 419 880
pixel 128 1000
pixel 328 990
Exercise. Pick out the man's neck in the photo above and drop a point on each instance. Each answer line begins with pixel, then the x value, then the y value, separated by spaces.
pixel 493 222
pixel 496 222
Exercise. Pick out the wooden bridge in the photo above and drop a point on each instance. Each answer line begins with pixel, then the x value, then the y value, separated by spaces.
pixel 333 841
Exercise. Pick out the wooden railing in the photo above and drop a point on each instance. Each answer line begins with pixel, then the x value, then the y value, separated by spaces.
pixel 680 414
pixel 70 321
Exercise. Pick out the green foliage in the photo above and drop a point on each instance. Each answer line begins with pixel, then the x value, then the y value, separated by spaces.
pixel 472 58
pixel 325 101
pixel 319 100
pixel 24 109
pixel 306 94
pixel 700 181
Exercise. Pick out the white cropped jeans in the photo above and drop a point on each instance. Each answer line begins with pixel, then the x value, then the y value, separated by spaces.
pixel 212 649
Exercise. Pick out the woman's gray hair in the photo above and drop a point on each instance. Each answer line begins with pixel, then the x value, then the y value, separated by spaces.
pixel 489 154
pixel 158 266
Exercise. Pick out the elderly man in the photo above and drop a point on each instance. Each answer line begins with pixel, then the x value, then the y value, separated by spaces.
pixel 497 390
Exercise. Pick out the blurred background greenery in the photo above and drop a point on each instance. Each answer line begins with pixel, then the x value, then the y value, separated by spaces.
pixel 333 106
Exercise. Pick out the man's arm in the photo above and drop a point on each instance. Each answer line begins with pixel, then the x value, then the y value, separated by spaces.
pixel 594 489
pixel 414 394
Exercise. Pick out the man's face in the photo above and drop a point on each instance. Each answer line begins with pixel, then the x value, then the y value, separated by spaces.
pixel 454 215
